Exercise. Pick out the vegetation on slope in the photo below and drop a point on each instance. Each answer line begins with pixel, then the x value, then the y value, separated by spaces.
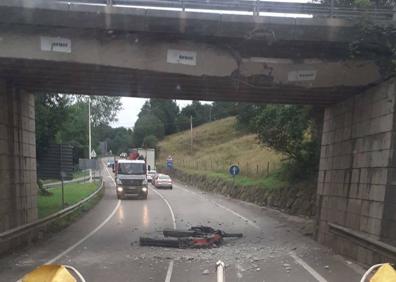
pixel 216 146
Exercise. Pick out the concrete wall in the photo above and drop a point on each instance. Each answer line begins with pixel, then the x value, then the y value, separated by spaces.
pixel 17 158
pixel 356 185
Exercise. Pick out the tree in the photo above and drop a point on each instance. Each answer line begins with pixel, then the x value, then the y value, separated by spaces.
pixel 223 109
pixel 146 125
pixel 150 141
pixel 75 129
pixel 200 113
pixel 292 130
pixel 121 140
pixel 378 43
pixel 167 111
pixel 64 119
pixel 246 116
pixel 103 108
pixel 51 111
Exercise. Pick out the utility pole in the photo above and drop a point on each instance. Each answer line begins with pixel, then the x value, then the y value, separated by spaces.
pixel 89 135
pixel 191 134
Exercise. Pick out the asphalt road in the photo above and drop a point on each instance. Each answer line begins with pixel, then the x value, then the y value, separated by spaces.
pixel 103 244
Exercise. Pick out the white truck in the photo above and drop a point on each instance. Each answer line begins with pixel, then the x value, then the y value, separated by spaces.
pixel 149 156
pixel 131 179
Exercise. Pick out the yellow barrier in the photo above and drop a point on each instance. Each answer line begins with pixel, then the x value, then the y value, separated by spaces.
pixel 385 273
pixel 49 273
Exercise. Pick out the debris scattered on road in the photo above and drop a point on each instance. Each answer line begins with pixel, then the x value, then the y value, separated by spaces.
pixel 195 237
pixel 326 266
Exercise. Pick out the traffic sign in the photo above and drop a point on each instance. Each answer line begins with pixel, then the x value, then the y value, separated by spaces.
pixel 169 163
pixel 93 154
pixel 234 170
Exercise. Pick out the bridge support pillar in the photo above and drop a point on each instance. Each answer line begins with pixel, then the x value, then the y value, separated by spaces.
pixel 357 176
pixel 17 158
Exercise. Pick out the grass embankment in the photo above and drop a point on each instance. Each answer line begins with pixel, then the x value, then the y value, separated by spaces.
pixel 73 192
pixel 263 179
pixel 216 146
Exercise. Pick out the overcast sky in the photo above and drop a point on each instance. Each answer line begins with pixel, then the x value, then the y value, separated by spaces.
pixel 131 108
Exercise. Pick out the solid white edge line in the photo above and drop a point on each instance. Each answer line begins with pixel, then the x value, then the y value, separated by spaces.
pixel 311 271
pixel 238 215
pixel 86 236
pixel 90 233
pixel 169 206
pixel 223 207
pixel 105 166
pixel 298 260
pixel 169 272
pixel 170 267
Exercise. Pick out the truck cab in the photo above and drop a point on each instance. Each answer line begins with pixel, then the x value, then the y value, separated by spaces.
pixel 131 179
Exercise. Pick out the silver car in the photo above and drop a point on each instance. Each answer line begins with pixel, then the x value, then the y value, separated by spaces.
pixel 163 181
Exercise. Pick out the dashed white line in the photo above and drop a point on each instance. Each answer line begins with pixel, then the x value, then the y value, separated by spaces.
pixel 311 271
pixel 169 272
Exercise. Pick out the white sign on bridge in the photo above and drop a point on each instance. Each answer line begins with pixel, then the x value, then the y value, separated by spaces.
pixel 302 75
pixel 181 57
pixel 55 44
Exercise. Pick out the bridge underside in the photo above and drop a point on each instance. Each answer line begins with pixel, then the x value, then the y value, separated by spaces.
pixel 44 76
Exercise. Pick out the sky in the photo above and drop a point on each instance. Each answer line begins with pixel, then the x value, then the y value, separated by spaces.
pixel 131 108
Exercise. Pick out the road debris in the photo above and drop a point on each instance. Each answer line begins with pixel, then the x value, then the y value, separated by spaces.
pixel 195 237
pixel 205 272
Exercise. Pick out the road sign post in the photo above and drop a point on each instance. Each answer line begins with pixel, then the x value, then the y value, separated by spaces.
pixel 234 170
pixel 169 163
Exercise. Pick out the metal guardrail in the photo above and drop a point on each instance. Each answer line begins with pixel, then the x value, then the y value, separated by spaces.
pixel 23 229
pixel 58 183
pixel 255 7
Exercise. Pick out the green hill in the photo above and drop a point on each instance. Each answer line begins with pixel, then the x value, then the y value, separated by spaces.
pixel 216 146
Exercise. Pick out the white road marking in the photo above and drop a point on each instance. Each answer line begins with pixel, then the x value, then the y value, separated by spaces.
pixel 170 267
pixel 308 268
pixel 86 236
pixel 90 233
pixel 238 215
pixel 169 272
pixel 225 208
pixel 169 206
pixel 112 179
pixel 311 271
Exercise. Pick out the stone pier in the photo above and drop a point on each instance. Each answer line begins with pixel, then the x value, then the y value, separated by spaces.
pixel 17 158
pixel 357 176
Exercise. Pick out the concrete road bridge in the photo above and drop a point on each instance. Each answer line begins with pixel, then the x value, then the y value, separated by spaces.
pixel 214 51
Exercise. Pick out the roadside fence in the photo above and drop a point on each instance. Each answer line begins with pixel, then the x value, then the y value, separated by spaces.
pixel 247 168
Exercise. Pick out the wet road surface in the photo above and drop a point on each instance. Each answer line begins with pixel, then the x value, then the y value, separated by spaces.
pixel 103 244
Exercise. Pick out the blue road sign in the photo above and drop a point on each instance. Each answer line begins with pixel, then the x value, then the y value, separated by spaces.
pixel 234 170
pixel 169 163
